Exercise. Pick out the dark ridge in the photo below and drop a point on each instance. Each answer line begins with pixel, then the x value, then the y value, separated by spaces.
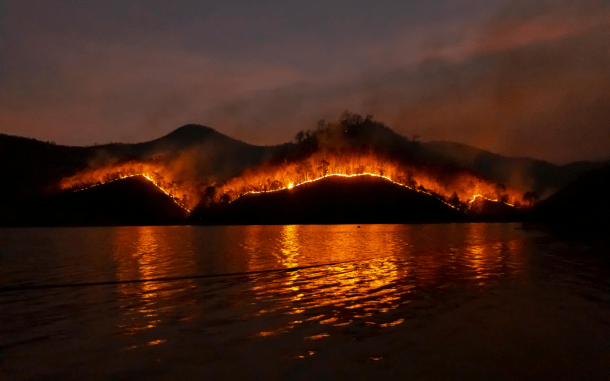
pixel 192 134
pixel 213 156
pixel 583 207
pixel 333 200
pixel 193 131
pixel 535 175
pixel 131 201
pixel 491 211
pixel 33 169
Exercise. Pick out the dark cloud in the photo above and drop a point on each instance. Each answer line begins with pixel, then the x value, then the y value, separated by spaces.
pixel 543 94
pixel 519 78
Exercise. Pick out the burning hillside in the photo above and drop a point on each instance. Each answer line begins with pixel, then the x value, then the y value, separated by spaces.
pixel 457 188
pixel 130 201
pixel 351 148
pixel 357 146
pixel 183 192
pixel 333 200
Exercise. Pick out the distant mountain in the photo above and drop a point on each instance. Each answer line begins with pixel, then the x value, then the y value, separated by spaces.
pixel 364 199
pixel 583 205
pixel 517 172
pixel 32 168
pixel 132 201
pixel 210 154
pixel 525 174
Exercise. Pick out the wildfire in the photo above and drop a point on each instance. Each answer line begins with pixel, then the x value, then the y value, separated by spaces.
pixel 474 198
pixel 95 177
pixel 457 188
pixel 291 185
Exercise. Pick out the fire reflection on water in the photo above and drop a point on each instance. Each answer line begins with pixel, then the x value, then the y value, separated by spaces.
pixel 488 258
pixel 370 290
pixel 422 292
pixel 143 305
pixel 362 276
pixel 351 289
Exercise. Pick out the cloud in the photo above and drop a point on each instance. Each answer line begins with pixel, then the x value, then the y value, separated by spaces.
pixel 131 93
pixel 541 95
pixel 528 80
pixel 525 22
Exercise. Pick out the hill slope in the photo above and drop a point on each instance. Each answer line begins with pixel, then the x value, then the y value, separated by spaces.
pixel 34 168
pixel 583 205
pixel 518 172
pixel 363 199
pixel 131 201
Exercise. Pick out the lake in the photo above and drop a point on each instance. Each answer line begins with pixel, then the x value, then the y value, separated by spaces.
pixel 437 301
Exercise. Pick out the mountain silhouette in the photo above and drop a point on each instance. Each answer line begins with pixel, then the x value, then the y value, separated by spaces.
pixel 130 201
pixel 362 199
pixel 539 176
pixel 33 169
pixel 581 207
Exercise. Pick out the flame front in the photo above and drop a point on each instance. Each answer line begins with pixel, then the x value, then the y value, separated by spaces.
pixel 457 188
pixel 183 193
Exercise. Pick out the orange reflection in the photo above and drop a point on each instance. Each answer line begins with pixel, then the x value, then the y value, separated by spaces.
pixel 289 258
pixel 353 289
pixel 290 246
pixel 490 258
pixel 476 249
pixel 142 253
pixel 408 260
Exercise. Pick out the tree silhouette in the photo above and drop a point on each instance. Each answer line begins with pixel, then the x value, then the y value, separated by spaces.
pixel 411 183
pixel 324 167
pixel 300 137
pixel 209 195
pixel 454 200
pixel 224 199
pixel 500 190
pixel 275 185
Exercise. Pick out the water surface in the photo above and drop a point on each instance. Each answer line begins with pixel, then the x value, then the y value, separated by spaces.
pixel 424 301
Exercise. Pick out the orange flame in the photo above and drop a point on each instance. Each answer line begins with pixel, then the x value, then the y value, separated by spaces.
pixel 457 188
pixel 183 193
pixel 437 181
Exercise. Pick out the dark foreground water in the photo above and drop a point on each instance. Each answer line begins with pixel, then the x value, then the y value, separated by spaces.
pixel 454 301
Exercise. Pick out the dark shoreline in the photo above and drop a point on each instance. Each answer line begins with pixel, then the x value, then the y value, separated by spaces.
pixel 247 223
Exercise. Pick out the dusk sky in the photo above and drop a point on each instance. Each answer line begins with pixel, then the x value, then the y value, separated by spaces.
pixel 520 78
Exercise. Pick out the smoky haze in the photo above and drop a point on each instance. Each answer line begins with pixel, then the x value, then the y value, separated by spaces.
pixel 517 78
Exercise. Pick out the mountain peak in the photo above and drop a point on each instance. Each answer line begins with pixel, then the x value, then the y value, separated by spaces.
pixel 192 131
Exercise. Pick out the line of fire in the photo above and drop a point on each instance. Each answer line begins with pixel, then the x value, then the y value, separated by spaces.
pixel 458 189
pixel 352 147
